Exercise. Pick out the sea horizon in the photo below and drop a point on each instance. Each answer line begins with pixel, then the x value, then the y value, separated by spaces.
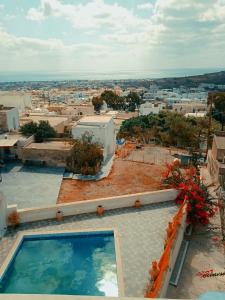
pixel 8 77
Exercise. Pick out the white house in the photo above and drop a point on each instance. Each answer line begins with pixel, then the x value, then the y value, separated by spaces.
pixel 148 108
pixel 16 99
pixel 101 127
pixel 9 118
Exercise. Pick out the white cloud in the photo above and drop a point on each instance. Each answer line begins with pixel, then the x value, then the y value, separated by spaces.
pixel 94 14
pixel 216 12
pixel 177 33
pixel 145 6
pixel 35 54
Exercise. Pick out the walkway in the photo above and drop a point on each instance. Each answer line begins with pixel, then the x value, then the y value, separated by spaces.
pixel 206 252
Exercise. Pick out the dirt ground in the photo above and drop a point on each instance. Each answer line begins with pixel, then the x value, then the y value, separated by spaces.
pixel 126 177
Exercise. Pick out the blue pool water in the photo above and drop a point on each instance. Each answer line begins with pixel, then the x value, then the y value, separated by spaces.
pixel 71 264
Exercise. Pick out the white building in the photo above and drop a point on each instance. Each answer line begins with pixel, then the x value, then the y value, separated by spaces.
pixel 20 100
pixel 102 130
pixel 9 118
pixel 151 108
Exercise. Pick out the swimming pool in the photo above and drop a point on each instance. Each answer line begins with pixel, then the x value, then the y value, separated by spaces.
pixel 69 263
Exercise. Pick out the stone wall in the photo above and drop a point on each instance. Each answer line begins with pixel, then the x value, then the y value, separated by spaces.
pixel 49 157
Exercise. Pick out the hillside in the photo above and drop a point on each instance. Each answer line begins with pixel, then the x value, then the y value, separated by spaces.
pixel 192 81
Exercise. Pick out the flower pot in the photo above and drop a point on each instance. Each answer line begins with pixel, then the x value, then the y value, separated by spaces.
pixel 59 215
pixel 137 203
pixel 14 219
pixel 154 270
pixel 100 210
pixel 169 230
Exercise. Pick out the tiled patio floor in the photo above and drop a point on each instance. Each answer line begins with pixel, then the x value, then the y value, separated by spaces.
pixel 141 234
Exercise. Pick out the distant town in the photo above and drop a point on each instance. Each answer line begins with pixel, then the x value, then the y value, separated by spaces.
pixel 142 158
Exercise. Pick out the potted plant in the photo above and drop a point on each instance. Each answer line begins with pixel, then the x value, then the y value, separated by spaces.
pixel 137 203
pixel 13 219
pixel 154 270
pixel 59 215
pixel 100 210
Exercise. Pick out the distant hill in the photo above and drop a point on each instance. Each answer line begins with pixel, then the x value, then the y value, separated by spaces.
pixel 192 81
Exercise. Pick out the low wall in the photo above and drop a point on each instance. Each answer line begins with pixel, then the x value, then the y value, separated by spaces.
pixel 88 206
pixel 174 237
pixel 173 256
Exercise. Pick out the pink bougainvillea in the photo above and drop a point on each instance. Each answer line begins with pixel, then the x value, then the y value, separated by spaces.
pixel 200 204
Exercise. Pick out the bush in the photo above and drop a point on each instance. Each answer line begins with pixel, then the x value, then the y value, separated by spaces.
pixel 167 128
pixel 41 131
pixel 200 205
pixel 44 131
pixel 86 157
pixel 29 129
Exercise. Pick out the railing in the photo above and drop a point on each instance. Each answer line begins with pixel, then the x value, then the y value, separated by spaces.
pixel 160 272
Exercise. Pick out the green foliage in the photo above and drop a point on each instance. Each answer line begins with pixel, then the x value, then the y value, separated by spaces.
pixel 129 103
pixel 97 102
pixel 44 131
pixel 133 99
pixel 29 129
pixel 167 128
pixel 41 131
pixel 219 109
pixel 86 157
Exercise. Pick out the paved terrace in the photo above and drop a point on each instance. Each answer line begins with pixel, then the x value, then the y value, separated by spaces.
pixel 30 186
pixel 141 234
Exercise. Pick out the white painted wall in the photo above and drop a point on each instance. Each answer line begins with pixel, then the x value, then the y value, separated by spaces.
pixel 15 99
pixel 148 108
pixel 104 134
pixel 12 116
pixel 88 206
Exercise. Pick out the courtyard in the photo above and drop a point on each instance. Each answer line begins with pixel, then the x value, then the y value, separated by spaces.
pixel 141 235
pixel 126 177
pixel 30 186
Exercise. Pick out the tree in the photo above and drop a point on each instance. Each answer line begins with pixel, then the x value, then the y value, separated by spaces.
pixel 167 128
pixel 97 102
pixel 219 104
pixel 134 100
pixel 40 131
pixel 86 157
pixel 112 100
pixel 29 129
pixel 44 131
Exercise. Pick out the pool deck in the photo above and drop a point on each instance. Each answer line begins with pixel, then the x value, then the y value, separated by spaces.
pixel 141 235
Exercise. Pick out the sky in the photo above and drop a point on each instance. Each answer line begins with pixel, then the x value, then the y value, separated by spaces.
pixel 111 36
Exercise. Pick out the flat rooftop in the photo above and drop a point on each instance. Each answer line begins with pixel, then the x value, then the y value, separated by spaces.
pixel 30 186
pixel 51 145
pixel 5 108
pixel 141 238
pixel 7 142
pixel 94 120
pixel 53 121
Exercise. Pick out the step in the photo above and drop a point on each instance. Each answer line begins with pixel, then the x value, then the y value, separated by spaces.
pixel 179 263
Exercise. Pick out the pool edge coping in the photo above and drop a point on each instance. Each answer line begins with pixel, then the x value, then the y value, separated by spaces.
pixel 21 235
